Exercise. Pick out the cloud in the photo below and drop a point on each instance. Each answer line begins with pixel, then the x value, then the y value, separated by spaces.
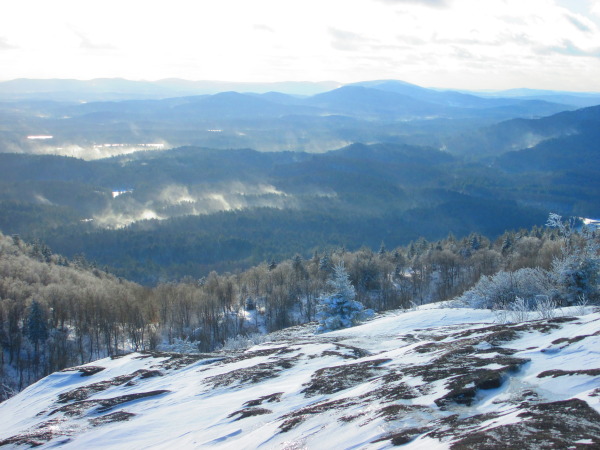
pixel 180 200
pixel 89 44
pixel 568 48
pixel 263 27
pixel 410 40
pixel 578 24
pixel 422 41
pixel 114 220
pixel 429 3
pixel 42 200
pixel 462 53
pixel 516 37
pixel 6 45
pixel 346 40
pixel 176 194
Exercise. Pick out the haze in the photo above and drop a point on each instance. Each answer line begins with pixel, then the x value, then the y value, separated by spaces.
pixel 496 44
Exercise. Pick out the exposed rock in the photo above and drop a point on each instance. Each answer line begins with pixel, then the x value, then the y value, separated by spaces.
pixel 86 371
pixel 561 373
pixel 546 426
pixel 276 397
pixel 119 416
pixel 83 392
pixel 79 408
pixel 329 380
pixel 249 412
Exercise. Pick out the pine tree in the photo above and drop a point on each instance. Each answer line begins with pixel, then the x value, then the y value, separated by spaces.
pixel 297 263
pixel 475 242
pixel 340 309
pixel 411 250
pixel 506 244
pixel 37 326
pixel 325 264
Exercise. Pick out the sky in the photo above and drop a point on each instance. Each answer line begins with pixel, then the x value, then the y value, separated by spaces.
pixel 461 44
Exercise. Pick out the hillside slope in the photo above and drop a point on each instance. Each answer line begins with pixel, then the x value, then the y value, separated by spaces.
pixel 432 378
pixel 191 210
pixel 523 133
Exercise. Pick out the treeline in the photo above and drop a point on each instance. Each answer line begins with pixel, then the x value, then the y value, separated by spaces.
pixel 56 313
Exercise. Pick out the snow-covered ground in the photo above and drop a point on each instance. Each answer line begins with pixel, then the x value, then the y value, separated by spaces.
pixel 429 378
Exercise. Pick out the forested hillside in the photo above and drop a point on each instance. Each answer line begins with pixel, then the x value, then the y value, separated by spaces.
pixel 256 177
pixel 157 216
pixel 56 312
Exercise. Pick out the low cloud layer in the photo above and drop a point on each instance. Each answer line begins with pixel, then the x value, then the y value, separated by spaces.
pixel 90 152
pixel 179 200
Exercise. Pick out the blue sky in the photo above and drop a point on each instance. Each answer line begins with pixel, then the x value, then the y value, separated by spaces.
pixel 469 44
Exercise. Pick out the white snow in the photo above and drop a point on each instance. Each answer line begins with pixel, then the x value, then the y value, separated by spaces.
pixel 197 411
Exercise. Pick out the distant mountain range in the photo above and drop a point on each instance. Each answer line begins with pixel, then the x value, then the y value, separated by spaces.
pixel 484 98
pixel 376 111
pixel 221 181
pixel 102 89
pixel 121 89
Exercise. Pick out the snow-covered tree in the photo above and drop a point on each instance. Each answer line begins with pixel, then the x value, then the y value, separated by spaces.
pixel 576 272
pixel 339 309
pixel 576 275
pixel 501 289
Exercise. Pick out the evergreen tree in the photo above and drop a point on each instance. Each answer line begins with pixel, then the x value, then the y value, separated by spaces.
pixel 475 242
pixel 506 244
pixel 325 264
pixel 340 309
pixel 37 325
pixel 411 250
pixel 297 263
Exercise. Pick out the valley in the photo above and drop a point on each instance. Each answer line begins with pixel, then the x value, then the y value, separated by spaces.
pixel 370 152
pixel 300 225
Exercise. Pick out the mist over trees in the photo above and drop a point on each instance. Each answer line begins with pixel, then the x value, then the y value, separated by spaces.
pixel 157 216
pixel 188 211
